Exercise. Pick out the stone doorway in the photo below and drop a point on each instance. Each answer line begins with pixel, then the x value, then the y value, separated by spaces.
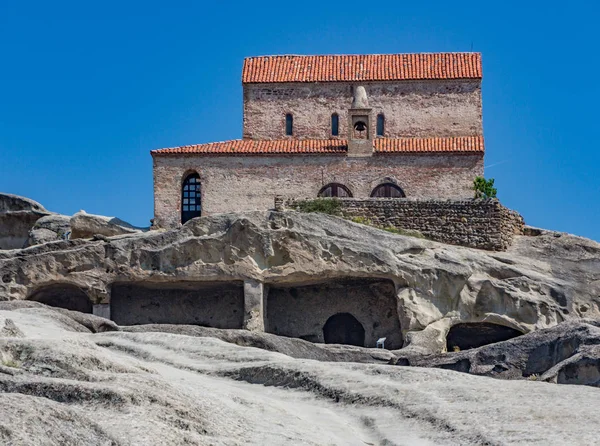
pixel 343 328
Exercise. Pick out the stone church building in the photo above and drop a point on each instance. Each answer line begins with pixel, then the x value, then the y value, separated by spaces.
pixel 398 125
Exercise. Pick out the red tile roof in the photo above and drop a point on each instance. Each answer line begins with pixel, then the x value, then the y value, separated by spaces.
pixel 327 146
pixel 371 67
pixel 452 144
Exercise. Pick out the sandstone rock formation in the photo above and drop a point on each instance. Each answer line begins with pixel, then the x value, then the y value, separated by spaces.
pixel 17 217
pixel 48 229
pixel 73 386
pixel 84 225
pixel 568 353
pixel 307 268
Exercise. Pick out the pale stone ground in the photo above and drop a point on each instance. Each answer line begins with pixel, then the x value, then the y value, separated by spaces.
pixel 65 386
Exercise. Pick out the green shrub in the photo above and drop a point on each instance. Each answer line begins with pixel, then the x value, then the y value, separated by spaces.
pixel 330 206
pixel 362 220
pixel 10 363
pixel 400 231
pixel 484 188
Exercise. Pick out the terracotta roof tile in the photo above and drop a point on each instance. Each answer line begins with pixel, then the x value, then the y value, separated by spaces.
pixel 451 144
pixel 371 67
pixel 327 146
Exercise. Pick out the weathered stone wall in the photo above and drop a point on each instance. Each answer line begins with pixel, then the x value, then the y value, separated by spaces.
pixel 218 305
pixel 483 224
pixel 242 183
pixel 302 311
pixel 411 108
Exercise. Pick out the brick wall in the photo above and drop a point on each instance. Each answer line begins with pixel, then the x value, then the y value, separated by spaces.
pixel 411 108
pixel 484 224
pixel 243 183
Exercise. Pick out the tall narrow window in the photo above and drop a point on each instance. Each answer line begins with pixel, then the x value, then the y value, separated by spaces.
pixel 289 124
pixel 191 196
pixel 380 124
pixel 335 124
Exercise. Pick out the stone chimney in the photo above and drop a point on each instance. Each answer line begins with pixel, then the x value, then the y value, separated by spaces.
pixel 360 132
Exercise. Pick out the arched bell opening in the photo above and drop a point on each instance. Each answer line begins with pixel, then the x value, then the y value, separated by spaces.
pixel 63 295
pixel 465 336
pixel 343 328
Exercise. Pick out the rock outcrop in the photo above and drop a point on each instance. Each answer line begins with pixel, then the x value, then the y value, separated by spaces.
pixel 17 217
pixel 568 353
pixel 73 386
pixel 419 288
pixel 49 229
pixel 84 225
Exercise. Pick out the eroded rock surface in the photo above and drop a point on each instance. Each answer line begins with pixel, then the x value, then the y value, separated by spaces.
pixel 539 282
pixel 568 353
pixel 17 217
pixel 48 229
pixel 73 386
pixel 84 225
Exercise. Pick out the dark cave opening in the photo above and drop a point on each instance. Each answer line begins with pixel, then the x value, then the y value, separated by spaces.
pixel 63 295
pixel 209 304
pixel 465 336
pixel 343 328
pixel 313 311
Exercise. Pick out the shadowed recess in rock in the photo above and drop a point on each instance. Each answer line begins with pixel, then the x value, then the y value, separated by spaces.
pixel 476 334
pixel 314 312
pixel 63 295
pixel 343 328
pixel 210 304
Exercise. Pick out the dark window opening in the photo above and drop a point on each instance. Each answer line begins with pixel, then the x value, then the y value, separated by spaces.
pixel 343 328
pixel 335 190
pixel 387 190
pixel 191 198
pixel 380 124
pixel 289 124
pixel 335 124
pixel 472 335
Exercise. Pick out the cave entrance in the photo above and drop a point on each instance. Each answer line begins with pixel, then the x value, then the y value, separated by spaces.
pixel 209 304
pixel 343 328
pixel 313 311
pixel 69 297
pixel 476 334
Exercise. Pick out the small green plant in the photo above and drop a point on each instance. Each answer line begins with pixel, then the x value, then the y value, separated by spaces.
pixel 10 363
pixel 362 220
pixel 456 349
pixel 400 231
pixel 484 188
pixel 330 206
pixel 534 377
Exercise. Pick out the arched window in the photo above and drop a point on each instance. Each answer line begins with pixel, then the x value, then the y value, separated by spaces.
pixel 387 190
pixel 191 196
pixel 289 124
pixel 380 124
pixel 335 124
pixel 335 190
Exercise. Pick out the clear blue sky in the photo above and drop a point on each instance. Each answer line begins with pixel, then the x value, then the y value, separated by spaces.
pixel 87 89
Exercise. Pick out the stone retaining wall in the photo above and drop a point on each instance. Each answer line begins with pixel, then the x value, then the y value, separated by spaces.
pixel 477 223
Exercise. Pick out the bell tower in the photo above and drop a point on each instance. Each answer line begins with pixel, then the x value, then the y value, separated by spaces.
pixel 360 131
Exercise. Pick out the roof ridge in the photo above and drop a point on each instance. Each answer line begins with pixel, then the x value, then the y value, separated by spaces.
pixel 369 54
